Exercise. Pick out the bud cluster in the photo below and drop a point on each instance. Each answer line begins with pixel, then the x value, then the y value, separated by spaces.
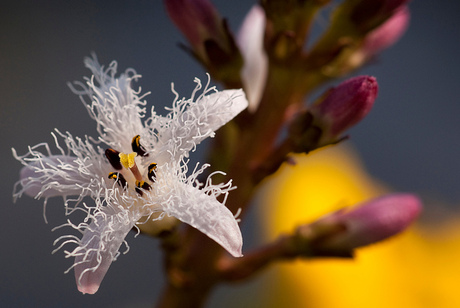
pixel 279 66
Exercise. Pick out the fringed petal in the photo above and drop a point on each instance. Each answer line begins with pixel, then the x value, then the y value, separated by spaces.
pixel 202 211
pixel 191 121
pixel 98 248
pixel 115 106
pixel 49 176
pixel 79 171
pixel 218 108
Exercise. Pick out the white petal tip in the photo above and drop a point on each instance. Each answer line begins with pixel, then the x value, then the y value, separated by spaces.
pixel 239 255
pixel 88 289
pixel 233 244
pixel 239 101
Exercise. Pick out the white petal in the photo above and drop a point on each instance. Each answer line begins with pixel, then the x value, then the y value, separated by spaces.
pixel 113 103
pixel 56 175
pixel 187 128
pixel 208 215
pixel 220 107
pixel 250 40
pixel 98 248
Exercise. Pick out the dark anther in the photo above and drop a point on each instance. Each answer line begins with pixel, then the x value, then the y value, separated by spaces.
pixel 142 184
pixel 119 178
pixel 151 174
pixel 114 159
pixel 137 146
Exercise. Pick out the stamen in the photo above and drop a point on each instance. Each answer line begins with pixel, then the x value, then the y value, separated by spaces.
pixel 137 146
pixel 151 172
pixel 119 178
pixel 113 158
pixel 142 184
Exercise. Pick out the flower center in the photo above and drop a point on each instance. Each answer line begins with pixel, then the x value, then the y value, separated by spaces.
pixel 127 160
pixel 119 160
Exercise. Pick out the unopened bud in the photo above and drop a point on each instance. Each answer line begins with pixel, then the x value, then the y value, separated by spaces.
pixel 388 33
pixel 210 39
pixel 344 106
pixel 366 223
pixel 255 69
pixel 369 14
pixel 379 39
pixel 197 19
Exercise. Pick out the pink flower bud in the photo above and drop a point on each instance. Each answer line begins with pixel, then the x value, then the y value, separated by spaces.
pixel 368 14
pixel 211 41
pixel 197 19
pixel 387 34
pixel 344 106
pixel 370 222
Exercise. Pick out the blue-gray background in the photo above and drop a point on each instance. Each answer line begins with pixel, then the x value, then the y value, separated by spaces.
pixel 409 140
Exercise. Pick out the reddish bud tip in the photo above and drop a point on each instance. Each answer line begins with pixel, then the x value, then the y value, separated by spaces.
pixel 344 106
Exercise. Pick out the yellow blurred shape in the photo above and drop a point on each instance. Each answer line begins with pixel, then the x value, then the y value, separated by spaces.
pixel 323 181
pixel 419 268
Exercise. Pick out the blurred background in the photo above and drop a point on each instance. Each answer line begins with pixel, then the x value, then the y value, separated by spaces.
pixel 409 142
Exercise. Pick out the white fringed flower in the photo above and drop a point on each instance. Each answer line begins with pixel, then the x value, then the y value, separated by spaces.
pixel 136 168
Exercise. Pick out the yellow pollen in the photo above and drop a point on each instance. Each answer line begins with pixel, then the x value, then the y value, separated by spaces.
pixel 127 160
